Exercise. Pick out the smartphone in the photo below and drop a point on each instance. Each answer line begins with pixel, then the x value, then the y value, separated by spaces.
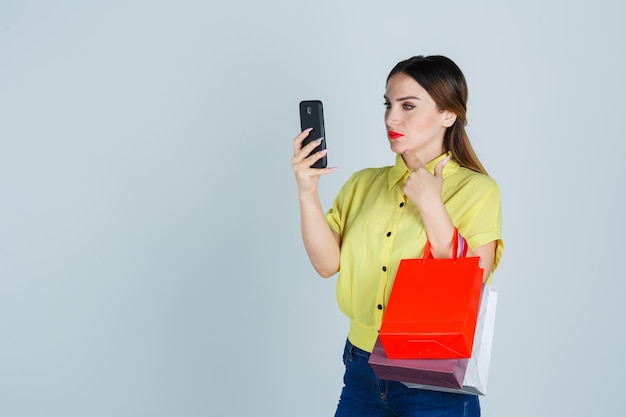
pixel 312 115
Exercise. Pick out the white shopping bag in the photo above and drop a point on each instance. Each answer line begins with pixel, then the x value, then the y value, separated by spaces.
pixel 475 381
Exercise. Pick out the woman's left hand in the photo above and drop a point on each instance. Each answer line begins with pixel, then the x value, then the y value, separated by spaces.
pixel 421 186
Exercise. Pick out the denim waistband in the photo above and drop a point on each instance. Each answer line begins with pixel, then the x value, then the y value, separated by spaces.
pixel 353 350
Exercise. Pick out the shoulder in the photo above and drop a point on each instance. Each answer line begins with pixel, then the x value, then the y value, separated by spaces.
pixel 365 180
pixel 476 181
pixel 368 175
pixel 464 188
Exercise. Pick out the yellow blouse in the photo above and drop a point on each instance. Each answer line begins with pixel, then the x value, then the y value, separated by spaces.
pixel 379 226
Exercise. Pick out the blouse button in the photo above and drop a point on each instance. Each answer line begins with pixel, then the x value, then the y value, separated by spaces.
pixel 380 306
pixel 388 234
pixel 402 204
pixel 384 269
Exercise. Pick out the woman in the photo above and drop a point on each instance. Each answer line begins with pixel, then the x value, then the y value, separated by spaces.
pixel 382 215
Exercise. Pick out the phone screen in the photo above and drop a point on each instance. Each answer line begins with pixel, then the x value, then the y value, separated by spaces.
pixel 312 116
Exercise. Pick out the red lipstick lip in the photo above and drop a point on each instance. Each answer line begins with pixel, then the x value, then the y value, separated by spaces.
pixel 394 135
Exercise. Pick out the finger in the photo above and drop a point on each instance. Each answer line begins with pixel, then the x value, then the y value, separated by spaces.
pixel 311 159
pixel 306 151
pixel 316 172
pixel 305 157
pixel 309 173
pixel 439 167
pixel 308 148
pixel 412 161
pixel 297 143
pixel 313 144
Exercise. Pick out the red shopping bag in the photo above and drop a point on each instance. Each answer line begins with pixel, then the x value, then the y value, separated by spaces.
pixel 433 307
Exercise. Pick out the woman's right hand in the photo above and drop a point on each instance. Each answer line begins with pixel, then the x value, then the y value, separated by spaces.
pixel 321 243
pixel 307 178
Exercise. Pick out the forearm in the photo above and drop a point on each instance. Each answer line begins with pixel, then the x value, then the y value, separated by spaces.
pixel 440 232
pixel 322 244
pixel 439 228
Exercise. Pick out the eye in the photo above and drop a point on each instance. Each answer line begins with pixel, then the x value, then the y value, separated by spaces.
pixel 387 105
pixel 407 106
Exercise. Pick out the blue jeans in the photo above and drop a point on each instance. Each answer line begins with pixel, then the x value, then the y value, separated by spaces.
pixel 366 395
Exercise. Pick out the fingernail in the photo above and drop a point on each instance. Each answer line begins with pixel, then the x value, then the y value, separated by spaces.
pixel 406 152
pixel 333 169
pixel 308 129
pixel 319 140
pixel 445 161
pixel 324 151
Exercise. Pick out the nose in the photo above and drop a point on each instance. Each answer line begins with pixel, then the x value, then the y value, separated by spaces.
pixel 392 117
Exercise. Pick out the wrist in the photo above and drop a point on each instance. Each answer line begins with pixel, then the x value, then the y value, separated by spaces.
pixel 429 204
pixel 308 195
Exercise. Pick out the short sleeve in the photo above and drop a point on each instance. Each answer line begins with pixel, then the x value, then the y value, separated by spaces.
pixel 482 223
pixel 336 215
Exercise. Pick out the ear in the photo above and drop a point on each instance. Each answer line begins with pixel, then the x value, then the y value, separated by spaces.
pixel 448 118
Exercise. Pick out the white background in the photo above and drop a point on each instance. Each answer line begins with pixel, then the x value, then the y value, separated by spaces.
pixel 150 255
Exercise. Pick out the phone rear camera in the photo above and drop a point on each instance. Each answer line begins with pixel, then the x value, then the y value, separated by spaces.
pixel 308 110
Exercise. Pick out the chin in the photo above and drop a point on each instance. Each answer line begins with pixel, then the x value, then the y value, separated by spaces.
pixel 396 148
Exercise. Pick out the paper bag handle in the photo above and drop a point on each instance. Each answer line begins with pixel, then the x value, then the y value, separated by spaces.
pixel 455 247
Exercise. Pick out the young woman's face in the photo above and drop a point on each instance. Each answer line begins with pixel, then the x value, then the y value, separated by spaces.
pixel 413 120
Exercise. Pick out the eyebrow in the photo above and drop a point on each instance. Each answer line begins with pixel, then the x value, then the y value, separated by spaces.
pixel 403 98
